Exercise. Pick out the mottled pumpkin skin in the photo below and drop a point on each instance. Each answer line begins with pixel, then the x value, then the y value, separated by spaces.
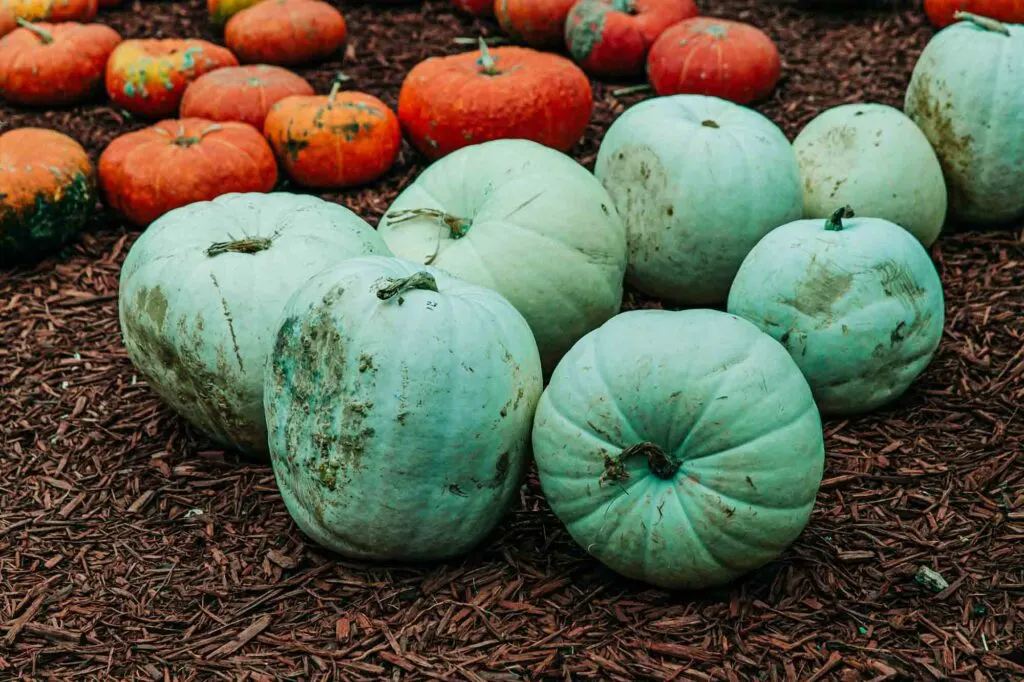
pixel 739 447
pixel 53 11
pixel 611 37
pixel 478 8
pixel 447 103
pixel 399 428
pixel 717 57
pixel 940 12
pixel 538 23
pixel 222 10
pixel 146 173
pixel 286 32
pixel 56 65
pixel 241 93
pixel 148 76
pixel 47 192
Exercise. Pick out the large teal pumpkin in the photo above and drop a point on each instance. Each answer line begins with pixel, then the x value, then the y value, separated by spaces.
pixel 857 302
pixel 399 401
pixel 967 94
pixel 697 180
pixel 679 448
pixel 201 291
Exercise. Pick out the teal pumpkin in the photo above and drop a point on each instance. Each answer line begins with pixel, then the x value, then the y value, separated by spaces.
pixel 846 157
pixel 966 94
pixel 679 448
pixel 697 180
pixel 200 295
pixel 399 401
pixel 857 302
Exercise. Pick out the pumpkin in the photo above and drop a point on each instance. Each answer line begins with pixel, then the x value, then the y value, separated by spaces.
pixel 611 37
pixel 47 192
pixel 858 303
pixel 222 10
pixel 201 292
pixel 526 221
pixel 681 448
pixel 447 103
pixel 538 23
pixel 663 159
pixel 146 173
pixel 8 22
pixel 241 93
pixel 717 57
pixel 286 32
pixel 53 11
pixel 148 76
pixel 942 13
pixel 54 64
pixel 845 157
pixel 972 117
pixel 342 140
pixel 478 8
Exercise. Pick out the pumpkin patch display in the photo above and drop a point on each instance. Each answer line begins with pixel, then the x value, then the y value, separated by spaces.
pixel 974 118
pixel 942 13
pixel 611 37
pixel 222 10
pixel 47 192
pixel 53 11
pixel 450 102
pixel 537 23
pixel 241 93
pixel 146 173
pixel 148 76
pixel 399 401
pixel 526 221
pixel 664 160
pixel 683 449
pixel 286 32
pixel 706 56
pixel 201 292
pixel 54 64
pixel 478 8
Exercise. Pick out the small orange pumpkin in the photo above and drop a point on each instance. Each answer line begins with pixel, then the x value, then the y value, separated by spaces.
pixel 148 76
pixel 286 32
pixel 54 64
pixel 538 23
pixel 342 140
pixel 241 93
pixel 146 173
pixel 53 11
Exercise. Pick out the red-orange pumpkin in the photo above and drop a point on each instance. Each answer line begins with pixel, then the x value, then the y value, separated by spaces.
pixel 717 57
pixel 53 11
pixel 54 64
pixel 342 140
pixel 8 22
pixel 940 12
pixel 286 32
pixel 611 37
pixel 146 173
pixel 478 8
pixel 241 93
pixel 538 23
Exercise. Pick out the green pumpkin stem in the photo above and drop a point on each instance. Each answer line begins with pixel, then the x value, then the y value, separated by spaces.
pixel 631 89
pixel 660 463
pixel 248 245
pixel 335 87
pixel 44 36
pixel 458 227
pixel 422 280
pixel 986 23
pixel 835 221
pixel 625 6
pixel 487 61
pixel 187 141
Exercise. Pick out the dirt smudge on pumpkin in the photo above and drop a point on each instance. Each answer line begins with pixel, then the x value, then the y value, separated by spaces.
pixel 898 283
pixel 819 290
pixel 501 470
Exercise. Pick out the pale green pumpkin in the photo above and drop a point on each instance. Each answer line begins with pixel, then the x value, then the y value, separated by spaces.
pixel 857 301
pixel 697 180
pixel 399 401
pixel 202 288
pixel 679 448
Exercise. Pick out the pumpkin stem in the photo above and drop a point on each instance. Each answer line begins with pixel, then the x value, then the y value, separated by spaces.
pixel 835 221
pixel 187 141
pixel 625 6
pixel 458 227
pixel 487 61
pixel 422 280
pixel 984 22
pixel 335 87
pixel 660 463
pixel 632 89
pixel 44 36
pixel 249 245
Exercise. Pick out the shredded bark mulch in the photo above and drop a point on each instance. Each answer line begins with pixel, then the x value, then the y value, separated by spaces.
pixel 131 548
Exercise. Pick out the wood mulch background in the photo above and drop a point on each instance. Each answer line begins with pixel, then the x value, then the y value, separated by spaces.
pixel 130 548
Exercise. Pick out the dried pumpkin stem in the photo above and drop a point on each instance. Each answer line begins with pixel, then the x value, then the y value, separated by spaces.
pixel 44 36
pixel 248 245
pixel 335 87
pixel 188 141
pixel 422 280
pixel 660 463
pixel 487 61
pixel 986 23
pixel 835 221
pixel 632 89
pixel 458 227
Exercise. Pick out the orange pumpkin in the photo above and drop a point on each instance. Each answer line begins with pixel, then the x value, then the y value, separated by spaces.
pixel 538 23
pixel 940 12
pixel 8 22
pixel 478 8
pixel 717 57
pixel 53 10
pixel 48 187
pixel 241 93
pixel 146 173
pixel 510 92
pixel 148 76
pixel 286 32
pixel 345 139
pixel 54 64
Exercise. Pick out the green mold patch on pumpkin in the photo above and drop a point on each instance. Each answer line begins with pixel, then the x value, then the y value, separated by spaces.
pixel 49 222
pixel 587 29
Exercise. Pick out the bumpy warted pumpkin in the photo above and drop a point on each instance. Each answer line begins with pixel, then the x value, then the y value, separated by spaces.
pixel 201 292
pixel 241 93
pixel 526 221
pixel 717 57
pixel 54 64
pixel 679 448
pixel 612 37
pixel 148 76
pixel 664 160
pixel 538 23
pixel 399 401
pixel 447 103
pixel 47 192
pixel 974 117
pixel 222 10
pixel 146 173
pixel 53 10
pixel 286 32
pixel 942 13
pixel 858 303
pixel 478 8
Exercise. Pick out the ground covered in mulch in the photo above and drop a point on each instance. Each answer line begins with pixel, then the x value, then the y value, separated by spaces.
pixel 130 547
